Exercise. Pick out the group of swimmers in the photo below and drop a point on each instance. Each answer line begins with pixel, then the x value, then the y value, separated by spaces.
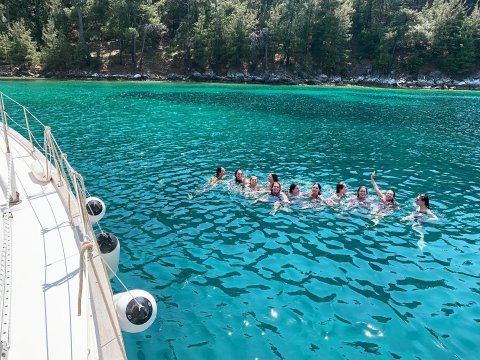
pixel 273 192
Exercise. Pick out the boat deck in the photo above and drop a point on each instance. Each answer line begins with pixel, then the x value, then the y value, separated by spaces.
pixel 43 320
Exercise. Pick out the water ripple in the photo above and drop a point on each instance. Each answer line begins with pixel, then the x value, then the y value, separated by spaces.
pixel 234 281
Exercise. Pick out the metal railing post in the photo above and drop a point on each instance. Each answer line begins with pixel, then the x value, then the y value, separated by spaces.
pixel 14 197
pixel 4 122
pixel 46 143
pixel 28 129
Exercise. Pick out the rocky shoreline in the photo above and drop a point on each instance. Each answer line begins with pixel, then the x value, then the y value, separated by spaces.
pixel 434 80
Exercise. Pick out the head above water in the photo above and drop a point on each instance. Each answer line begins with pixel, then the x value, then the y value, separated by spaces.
pixel 341 188
pixel 316 188
pixel 362 192
pixel 294 189
pixel 390 195
pixel 238 176
pixel 220 172
pixel 276 188
pixel 272 177
pixel 423 198
pixel 253 181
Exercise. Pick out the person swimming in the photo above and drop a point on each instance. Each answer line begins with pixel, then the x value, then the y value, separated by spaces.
pixel 315 193
pixel 361 197
pixel 239 178
pixel 253 183
pixel 423 211
pixel 252 187
pixel 340 191
pixel 421 214
pixel 272 177
pixel 276 195
pixel 388 198
pixel 294 191
pixel 220 173
pixel 276 192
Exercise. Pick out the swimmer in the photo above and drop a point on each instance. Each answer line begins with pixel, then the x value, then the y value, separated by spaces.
pixel 315 193
pixel 423 211
pixel 421 214
pixel 340 191
pixel 276 195
pixel 218 176
pixel 253 186
pixel 388 198
pixel 239 178
pixel 294 191
pixel 423 203
pixel 272 177
pixel 361 197
pixel 253 183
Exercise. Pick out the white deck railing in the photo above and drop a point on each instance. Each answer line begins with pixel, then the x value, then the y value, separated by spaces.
pixel 72 186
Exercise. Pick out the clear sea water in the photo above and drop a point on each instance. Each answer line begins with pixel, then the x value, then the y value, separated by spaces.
pixel 233 281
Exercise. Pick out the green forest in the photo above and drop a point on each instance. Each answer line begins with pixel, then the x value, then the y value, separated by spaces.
pixel 311 36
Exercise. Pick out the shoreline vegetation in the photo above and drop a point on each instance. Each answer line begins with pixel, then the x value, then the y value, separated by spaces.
pixel 434 80
pixel 387 43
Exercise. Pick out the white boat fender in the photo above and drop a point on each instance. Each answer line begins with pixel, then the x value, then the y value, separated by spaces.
pixel 39 171
pixel 95 209
pixel 136 310
pixel 110 251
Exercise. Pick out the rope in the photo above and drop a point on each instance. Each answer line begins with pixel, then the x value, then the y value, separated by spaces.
pixel 80 191
pixel 121 282
pixel 16 123
pixel 88 246
pixel 11 173
pixel 85 246
pixel 110 315
pixel 108 266
pixel 23 107
pixel 5 270
pixel 53 152
pixel 9 182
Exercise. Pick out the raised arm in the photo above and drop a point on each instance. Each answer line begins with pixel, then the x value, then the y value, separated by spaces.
pixel 375 186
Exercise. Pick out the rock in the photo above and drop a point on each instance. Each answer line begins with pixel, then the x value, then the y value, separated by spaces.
pixel 319 79
pixel 239 76
pixel 473 83
pixel 425 82
pixel 273 79
pixel 197 76
pixel 390 81
pixel 173 76
pixel 209 74
pixel 335 79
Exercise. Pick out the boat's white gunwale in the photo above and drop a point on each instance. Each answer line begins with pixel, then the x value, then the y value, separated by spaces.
pixel 107 330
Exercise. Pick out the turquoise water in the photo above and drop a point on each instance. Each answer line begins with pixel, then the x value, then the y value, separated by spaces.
pixel 235 282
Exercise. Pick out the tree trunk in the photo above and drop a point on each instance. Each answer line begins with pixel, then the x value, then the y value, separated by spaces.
pixel 188 41
pixel 134 50
pixel 393 55
pixel 266 57
pixel 134 39
pixel 140 65
pixel 81 31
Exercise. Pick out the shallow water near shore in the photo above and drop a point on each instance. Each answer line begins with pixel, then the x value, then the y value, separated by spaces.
pixel 233 281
